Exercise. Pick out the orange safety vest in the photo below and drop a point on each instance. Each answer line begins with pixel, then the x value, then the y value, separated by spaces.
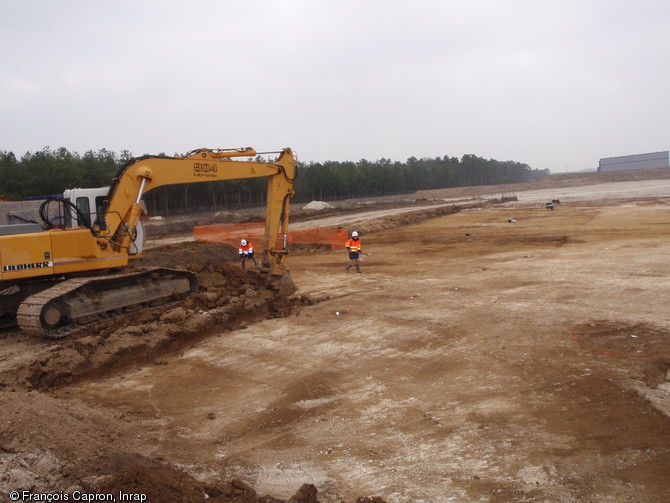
pixel 246 248
pixel 353 244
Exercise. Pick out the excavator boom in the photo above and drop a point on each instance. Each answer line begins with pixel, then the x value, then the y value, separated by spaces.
pixel 142 175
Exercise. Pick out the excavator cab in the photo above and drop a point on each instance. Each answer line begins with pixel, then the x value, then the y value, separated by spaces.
pixel 89 202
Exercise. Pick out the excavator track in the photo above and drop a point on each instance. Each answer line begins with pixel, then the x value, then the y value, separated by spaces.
pixel 54 312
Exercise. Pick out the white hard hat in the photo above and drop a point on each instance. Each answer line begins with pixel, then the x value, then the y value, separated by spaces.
pixel 243 242
pixel 354 234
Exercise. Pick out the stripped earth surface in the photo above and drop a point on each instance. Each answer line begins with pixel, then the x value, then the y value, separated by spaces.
pixel 488 352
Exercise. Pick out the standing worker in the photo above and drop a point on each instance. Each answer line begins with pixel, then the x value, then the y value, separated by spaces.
pixel 247 251
pixel 353 245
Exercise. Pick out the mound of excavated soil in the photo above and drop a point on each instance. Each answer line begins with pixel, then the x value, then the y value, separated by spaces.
pixel 160 482
pixel 317 205
pixel 188 255
pixel 228 297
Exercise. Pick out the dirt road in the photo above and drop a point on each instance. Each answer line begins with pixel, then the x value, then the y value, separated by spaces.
pixel 474 359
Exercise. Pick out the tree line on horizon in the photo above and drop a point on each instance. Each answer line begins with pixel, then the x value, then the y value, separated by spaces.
pixel 49 172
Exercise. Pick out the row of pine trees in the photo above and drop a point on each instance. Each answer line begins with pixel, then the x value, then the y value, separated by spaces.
pixel 49 172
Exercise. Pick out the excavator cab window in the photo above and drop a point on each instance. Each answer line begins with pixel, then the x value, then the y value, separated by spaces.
pixel 80 218
pixel 99 215
pixel 84 207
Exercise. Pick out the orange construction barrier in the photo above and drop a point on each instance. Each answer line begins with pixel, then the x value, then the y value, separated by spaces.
pixel 254 232
pixel 231 233
pixel 319 235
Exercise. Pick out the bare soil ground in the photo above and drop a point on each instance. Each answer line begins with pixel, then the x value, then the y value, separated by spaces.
pixel 500 352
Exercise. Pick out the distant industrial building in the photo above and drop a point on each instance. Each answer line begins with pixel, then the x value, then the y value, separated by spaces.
pixel 637 161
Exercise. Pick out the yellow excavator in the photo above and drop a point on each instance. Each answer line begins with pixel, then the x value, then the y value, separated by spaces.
pixel 59 276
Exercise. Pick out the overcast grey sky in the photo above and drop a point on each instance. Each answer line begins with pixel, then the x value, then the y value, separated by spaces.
pixel 555 84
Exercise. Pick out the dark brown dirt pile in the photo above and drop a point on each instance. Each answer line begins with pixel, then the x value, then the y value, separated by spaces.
pixel 163 483
pixel 188 255
pixel 229 297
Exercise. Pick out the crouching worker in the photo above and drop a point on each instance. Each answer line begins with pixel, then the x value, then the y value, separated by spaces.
pixel 353 246
pixel 247 251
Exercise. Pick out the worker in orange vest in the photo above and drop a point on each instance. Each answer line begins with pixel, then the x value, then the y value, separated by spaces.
pixel 353 245
pixel 247 251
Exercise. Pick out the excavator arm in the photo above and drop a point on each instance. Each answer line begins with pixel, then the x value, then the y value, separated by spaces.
pixel 142 175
